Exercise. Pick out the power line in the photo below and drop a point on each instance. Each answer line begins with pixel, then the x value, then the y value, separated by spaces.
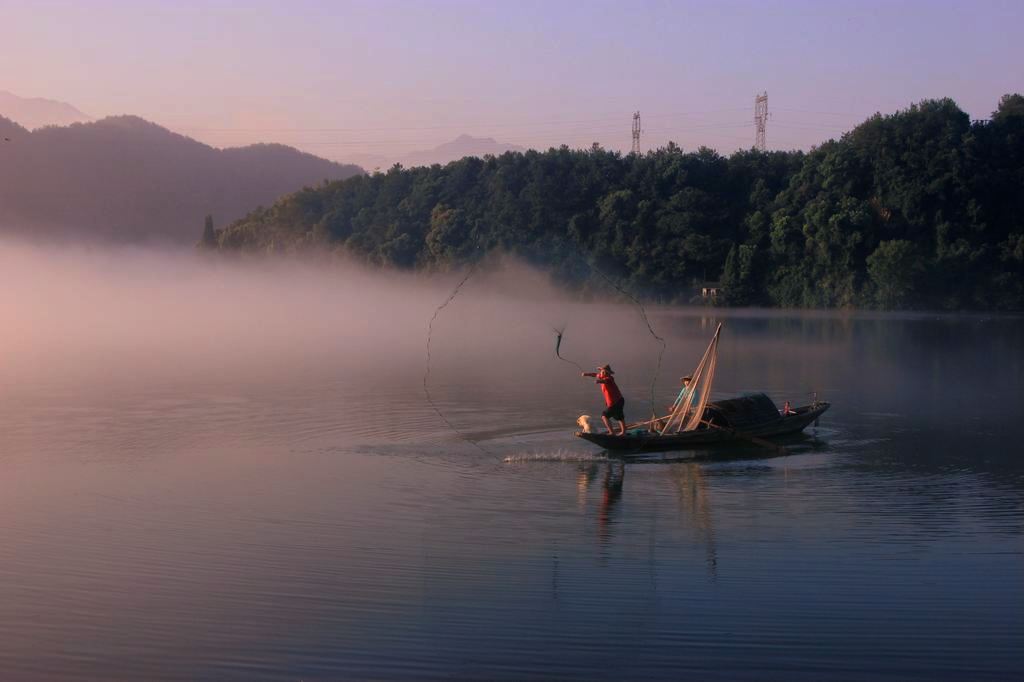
pixel 580 133
pixel 810 126
pixel 819 113
pixel 539 133
pixel 610 119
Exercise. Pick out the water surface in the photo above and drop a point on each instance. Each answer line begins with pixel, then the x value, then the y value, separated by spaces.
pixel 315 519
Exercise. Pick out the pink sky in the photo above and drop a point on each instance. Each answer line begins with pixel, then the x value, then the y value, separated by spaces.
pixel 342 79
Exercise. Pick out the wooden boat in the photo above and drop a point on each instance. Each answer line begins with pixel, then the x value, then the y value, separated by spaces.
pixel 736 420
pixel 694 421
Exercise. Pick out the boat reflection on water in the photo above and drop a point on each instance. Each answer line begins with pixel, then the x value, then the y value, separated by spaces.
pixel 691 490
pixel 613 474
pixel 611 491
pixel 584 477
pixel 695 506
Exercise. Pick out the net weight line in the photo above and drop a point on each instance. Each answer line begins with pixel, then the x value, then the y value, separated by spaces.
pixel 558 343
pixel 426 373
pixel 558 349
pixel 643 315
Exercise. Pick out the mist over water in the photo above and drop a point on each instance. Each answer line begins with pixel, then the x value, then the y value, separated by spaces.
pixel 153 309
pixel 229 469
pixel 112 324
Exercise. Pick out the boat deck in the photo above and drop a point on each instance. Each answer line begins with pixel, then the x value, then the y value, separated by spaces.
pixel 707 436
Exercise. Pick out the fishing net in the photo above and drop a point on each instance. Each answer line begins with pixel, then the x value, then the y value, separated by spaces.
pixel 688 412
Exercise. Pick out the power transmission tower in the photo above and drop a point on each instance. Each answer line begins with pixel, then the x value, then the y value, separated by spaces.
pixel 760 119
pixel 636 132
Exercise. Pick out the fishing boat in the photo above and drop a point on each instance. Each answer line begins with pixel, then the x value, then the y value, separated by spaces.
pixel 696 422
pixel 748 418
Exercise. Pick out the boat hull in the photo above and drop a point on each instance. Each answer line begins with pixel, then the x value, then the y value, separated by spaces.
pixel 706 437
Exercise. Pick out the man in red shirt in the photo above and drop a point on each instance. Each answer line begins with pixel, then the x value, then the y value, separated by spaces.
pixel 612 398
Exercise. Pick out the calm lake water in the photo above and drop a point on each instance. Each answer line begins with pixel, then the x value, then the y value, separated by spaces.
pixel 297 517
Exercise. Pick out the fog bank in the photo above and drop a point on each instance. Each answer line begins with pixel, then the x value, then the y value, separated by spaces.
pixel 131 314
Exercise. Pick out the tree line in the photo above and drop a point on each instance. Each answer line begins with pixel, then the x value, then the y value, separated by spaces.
pixel 922 208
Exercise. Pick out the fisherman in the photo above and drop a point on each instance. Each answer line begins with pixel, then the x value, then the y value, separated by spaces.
pixel 683 392
pixel 686 390
pixel 680 399
pixel 612 398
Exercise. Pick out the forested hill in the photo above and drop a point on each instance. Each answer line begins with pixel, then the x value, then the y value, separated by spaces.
pixel 920 208
pixel 125 179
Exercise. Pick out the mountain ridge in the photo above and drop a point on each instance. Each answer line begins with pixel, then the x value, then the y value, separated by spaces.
pixel 459 148
pixel 126 179
pixel 38 112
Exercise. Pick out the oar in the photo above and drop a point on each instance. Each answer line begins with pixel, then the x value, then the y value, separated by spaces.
pixel 646 423
pixel 753 439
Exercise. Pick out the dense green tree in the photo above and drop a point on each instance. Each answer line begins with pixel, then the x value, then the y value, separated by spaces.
pixel 894 268
pixel 921 208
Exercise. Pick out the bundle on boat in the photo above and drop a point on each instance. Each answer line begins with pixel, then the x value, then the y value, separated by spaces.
pixel 746 413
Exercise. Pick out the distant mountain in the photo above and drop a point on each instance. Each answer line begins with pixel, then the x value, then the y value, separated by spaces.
pixel 460 147
pixel 36 112
pixel 125 179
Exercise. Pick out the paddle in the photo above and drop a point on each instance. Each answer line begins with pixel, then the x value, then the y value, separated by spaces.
pixel 753 439
pixel 735 434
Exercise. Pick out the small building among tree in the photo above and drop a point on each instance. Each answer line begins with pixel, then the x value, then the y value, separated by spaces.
pixel 710 290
